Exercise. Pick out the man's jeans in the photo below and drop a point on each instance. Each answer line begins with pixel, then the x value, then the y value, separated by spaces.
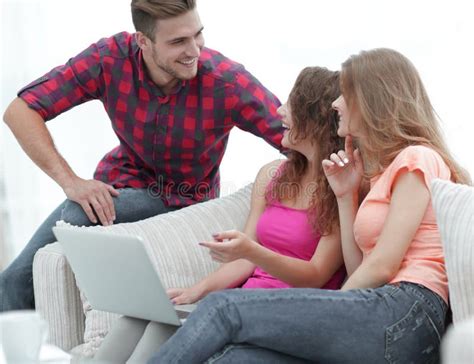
pixel 392 324
pixel 16 282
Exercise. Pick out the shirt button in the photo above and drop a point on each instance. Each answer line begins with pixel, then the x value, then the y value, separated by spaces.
pixel 164 99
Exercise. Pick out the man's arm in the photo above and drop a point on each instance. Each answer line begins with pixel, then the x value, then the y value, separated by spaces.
pixel 255 110
pixel 30 130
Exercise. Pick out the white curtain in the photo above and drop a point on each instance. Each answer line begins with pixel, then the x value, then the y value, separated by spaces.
pixel 274 39
pixel 3 224
pixel 38 35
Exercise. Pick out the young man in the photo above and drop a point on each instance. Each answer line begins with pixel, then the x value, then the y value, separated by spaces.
pixel 172 104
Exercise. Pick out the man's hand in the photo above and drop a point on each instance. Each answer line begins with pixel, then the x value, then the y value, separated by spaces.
pixel 30 130
pixel 95 198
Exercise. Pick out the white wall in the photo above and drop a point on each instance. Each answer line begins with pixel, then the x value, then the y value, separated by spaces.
pixel 274 39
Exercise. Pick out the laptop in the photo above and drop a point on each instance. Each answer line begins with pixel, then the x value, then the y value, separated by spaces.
pixel 116 275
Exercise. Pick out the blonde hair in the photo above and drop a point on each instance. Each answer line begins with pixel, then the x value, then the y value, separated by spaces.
pixel 387 91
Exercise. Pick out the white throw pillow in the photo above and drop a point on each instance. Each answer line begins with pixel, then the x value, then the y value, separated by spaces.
pixel 171 243
pixel 454 209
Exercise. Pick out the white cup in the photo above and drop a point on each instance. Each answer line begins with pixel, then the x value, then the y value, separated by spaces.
pixel 22 333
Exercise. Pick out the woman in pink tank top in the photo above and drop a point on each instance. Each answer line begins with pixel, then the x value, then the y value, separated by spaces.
pixel 291 238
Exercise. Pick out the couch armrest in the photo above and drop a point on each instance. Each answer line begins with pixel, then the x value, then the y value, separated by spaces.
pixel 57 297
pixel 457 345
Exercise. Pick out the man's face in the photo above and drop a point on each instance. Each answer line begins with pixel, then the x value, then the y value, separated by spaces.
pixel 175 52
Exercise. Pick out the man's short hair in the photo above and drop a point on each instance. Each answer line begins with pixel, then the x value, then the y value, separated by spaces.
pixel 145 13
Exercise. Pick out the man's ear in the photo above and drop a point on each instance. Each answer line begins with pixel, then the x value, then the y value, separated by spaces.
pixel 142 40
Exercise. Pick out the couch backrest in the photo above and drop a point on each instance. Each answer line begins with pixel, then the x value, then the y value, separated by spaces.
pixel 454 209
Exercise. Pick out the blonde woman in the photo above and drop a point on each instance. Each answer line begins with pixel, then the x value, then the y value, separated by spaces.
pixel 392 307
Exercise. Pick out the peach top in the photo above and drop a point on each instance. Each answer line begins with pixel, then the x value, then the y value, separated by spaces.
pixel 423 262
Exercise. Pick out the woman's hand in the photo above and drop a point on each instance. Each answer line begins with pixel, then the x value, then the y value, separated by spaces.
pixel 344 170
pixel 182 296
pixel 229 246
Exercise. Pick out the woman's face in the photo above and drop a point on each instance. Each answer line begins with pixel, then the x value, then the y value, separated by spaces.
pixel 285 114
pixel 349 120
pixel 301 145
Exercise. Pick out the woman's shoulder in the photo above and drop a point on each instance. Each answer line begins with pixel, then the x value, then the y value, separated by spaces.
pixel 418 154
pixel 270 171
pixel 419 157
pixel 266 176
pixel 418 149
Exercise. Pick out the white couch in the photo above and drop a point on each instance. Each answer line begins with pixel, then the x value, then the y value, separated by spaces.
pixel 171 241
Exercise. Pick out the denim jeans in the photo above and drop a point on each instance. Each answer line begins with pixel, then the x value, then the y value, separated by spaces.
pixel 400 323
pixel 16 281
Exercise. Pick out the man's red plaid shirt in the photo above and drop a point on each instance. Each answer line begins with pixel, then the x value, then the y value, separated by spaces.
pixel 171 144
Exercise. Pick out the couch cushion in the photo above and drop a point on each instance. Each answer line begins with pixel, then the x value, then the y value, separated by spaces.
pixel 454 208
pixel 171 242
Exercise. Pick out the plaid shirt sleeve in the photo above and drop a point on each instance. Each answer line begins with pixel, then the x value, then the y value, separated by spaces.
pixel 255 109
pixel 77 81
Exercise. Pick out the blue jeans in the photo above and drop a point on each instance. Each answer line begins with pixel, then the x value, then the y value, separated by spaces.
pixel 16 281
pixel 400 323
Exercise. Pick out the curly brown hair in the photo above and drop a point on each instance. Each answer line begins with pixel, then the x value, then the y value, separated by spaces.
pixel 313 117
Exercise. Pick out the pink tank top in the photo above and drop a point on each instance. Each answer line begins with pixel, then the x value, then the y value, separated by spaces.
pixel 287 231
